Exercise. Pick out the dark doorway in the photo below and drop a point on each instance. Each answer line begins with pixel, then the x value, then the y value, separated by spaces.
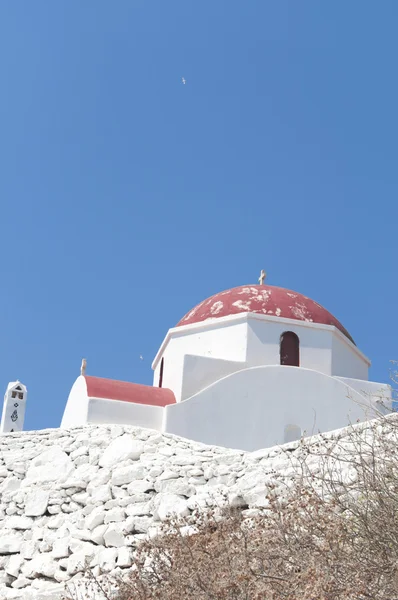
pixel 290 349
pixel 161 372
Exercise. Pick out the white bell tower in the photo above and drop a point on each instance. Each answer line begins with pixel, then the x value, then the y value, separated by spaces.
pixel 14 407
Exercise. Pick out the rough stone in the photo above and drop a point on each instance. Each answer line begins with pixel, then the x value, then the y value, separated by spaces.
pixel 121 448
pixel 51 465
pixel 113 536
pixel 170 504
pixel 10 543
pixel 36 503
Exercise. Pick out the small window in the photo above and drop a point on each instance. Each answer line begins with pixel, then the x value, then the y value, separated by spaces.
pixel 161 372
pixel 13 394
pixel 289 349
pixel 20 395
pixel 18 388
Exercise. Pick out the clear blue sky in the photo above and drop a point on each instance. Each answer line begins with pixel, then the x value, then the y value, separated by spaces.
pixel 128 197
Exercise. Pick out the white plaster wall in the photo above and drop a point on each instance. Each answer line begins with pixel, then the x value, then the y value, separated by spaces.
pixel 254 340
pixel 227 341
pixel 264 338
pixel 81 409
pixel 251 408
pixel 201 371
pixel 75 412
pixel 370 389
pixel 102 412
pixel 346 362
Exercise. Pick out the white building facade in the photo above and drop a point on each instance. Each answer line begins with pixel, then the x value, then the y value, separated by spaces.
pixel 248 368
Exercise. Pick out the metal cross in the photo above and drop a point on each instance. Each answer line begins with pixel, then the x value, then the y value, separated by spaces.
pixel 262 277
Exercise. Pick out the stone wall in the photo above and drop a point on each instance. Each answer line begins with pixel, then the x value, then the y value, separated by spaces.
pixel 92 493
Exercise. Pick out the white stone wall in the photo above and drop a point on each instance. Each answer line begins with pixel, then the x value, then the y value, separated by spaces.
pixel 67 496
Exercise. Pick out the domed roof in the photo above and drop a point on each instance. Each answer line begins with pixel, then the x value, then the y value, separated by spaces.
pixel 263 300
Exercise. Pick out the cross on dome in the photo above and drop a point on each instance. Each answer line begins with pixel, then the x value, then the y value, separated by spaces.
pixel 262 277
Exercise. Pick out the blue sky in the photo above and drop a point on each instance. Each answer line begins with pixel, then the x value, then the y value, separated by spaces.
pixel 128 197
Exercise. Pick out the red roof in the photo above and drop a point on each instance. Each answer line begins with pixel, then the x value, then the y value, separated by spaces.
pixel 97 387
pixel 265 300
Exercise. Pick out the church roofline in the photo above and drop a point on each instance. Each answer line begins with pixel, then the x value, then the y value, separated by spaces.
pixel 219 322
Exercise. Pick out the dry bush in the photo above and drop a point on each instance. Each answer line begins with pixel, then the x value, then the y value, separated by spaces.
pixel 333 535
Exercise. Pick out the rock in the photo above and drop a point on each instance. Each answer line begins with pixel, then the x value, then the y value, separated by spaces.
pixel 124 447
pixel 139 509
pixel 256 497
pixel 174 486
pixel 113 536
pixel 107 558
pixel 168 475
pixel 36 503
pixel 9 485
pixel 142 524
pixel 97 535
pixel 56 521
pixel 28 549
pixel 51 465
pixel 124 558
pixel 60 548
pixel 18 522
pixel 115 515
pixel 21 582
pixel 124 475
pixel 3 471
pixel 11 510
pixel 10 543
pixel 139 486
pixel 252 479
pixel 80 498
pixel 95 518
pixel 14 565
pixel 170 504
pixel 41 564
pixel 101 494
pixel 78 562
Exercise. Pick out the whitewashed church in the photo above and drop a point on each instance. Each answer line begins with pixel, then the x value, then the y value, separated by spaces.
pixel 248 368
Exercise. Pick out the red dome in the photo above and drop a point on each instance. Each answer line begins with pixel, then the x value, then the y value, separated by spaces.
pixel 263 300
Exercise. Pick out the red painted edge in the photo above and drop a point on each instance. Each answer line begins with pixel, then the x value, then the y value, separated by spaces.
pixel 111 389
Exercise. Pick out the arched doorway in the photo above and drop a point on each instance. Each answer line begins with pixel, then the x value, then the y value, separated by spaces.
pixel 161 372
pixel 289 349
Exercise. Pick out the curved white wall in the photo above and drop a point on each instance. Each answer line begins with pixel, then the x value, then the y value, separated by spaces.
pixel 251 408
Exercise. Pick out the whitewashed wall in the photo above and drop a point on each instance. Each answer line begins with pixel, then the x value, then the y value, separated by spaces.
pixel 250 409
pixel 346 362
pixel 226 340
pixel 264 343
pixel 81 409
pixel 251 340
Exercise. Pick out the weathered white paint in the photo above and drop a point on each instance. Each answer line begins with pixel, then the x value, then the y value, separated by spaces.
pixel 14 406
pixel 251 409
